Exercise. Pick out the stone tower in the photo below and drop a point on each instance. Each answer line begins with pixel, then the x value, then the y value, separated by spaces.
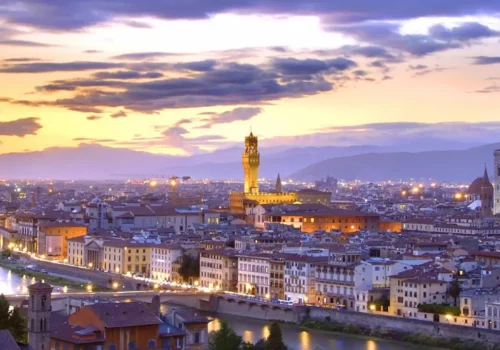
pixel 279 186
pixel 39 309
pixel 487 193
pixel 251 161
pixel 496 183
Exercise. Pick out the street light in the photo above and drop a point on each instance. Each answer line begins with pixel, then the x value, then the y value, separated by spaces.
pixel 372 307
pixel 90 265
pixel 89 288
pixel 115 285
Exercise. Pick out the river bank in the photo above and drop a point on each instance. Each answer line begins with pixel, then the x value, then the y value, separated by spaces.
pixel 405 337
pixel 20 270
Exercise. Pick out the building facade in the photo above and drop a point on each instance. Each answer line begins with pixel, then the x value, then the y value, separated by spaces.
pixel 496 201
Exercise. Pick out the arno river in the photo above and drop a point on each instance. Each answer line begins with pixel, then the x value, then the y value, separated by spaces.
pixel 252 330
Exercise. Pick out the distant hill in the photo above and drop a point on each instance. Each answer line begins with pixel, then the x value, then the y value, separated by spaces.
pixel 457 165
pixel 361 162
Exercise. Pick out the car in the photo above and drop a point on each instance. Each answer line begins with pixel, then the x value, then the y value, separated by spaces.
pixel 44 271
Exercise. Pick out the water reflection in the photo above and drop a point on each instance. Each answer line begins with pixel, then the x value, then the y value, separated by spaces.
pixel 12 284
pixel 299 339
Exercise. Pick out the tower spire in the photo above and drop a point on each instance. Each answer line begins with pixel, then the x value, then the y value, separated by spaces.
pixel 486 178
pixel 279 187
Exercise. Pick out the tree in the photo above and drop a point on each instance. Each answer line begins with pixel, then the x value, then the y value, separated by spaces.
pixel 190 268
pixel 454 290
pixel 17 325
pixel 275 340
pixel 12 320
pixel 225 339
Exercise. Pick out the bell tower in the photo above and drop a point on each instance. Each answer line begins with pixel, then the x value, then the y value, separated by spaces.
pixel 496 184
pixel 39 309
pixel 251 161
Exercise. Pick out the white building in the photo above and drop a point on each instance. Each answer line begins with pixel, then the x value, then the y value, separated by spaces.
pixel 300 277
pixel 254 274
pixel 162 258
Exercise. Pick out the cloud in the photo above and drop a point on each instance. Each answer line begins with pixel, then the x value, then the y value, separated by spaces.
pixel 94 117
pixel 47 67
pixel 64 15
pixel 485 60
pixel 21 59
pixel 388 35
pixel 127 75
pixel 91 140
pixel 226 84
pixel 237 114
pixel 489 89
pixel 20 127
pixel 25 43
pixel 120 114
pixel 92 51
pixel 437 135
pixel 139 56
pixel 365 51
pixel 87 109
pixel 418 67
pixel 430 70
pixel 464 32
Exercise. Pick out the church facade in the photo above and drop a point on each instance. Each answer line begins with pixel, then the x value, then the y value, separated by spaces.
pixel 251 197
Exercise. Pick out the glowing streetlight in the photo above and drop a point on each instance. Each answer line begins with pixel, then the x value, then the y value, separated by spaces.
pixel 459 196
pixel 153 183
pixel 115 285
pixel 65 289
pixel 372 307
pixel 90 265
pixel 173 183
pixel 89 288
pixel 196 283
pixel 156 286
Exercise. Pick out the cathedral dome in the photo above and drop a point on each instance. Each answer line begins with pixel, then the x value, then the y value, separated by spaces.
pixel 476 187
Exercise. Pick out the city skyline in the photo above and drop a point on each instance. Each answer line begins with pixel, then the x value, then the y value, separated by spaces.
pixel 175 80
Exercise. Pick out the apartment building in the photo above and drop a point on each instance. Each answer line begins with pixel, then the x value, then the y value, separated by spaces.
pixel 300 286
pixel 162 258
pixel 410 288
pixel 254 274
pixel 277 278
pixel 219 269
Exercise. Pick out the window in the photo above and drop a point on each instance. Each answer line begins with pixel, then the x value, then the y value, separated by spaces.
pixel 131 346
pixel 111 347
pixel 152 344
pixel 197 338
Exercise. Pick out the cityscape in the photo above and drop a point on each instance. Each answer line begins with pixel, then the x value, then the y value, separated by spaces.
pixel 249 175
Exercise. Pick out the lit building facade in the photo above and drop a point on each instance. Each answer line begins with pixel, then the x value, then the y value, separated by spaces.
pixel 239 202
pixel 496 201
pixel 162 259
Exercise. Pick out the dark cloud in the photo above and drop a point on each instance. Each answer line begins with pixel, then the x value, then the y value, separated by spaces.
pixel 296 67
pixel 57 67
pixel 387 77
pixel 484 60
pixel 94 117
pixel 20 127
pixel 418 67
pixel 365 51
pixel 22 59
pixel 237 114
pixel 199 66
pixel 127 75
pixel 464 32
pixel 120 114
pixel 388 35
pixel 489 89
pixel 225 84
pixel 87 109
pixel 26 43
pixel 139 56
pixel 63 15
pixel 137 24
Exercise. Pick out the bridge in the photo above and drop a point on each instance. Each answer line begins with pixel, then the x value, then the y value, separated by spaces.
pixel 184 298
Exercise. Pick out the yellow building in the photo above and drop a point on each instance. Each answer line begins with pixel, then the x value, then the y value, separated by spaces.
pixel 251 196
pixel 53 237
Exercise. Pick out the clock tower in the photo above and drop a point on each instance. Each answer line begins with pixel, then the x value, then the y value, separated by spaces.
pixel 251 161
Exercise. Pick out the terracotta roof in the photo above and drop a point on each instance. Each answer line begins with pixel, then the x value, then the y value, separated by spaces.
pixel 116 315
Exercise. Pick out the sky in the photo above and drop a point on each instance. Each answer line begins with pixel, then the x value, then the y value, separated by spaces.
pixel 191 76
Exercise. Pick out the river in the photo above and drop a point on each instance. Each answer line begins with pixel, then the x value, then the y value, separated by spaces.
pixel 297 338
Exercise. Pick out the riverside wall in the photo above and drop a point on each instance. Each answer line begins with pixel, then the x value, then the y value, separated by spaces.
pixel 433 329
pixel 375 322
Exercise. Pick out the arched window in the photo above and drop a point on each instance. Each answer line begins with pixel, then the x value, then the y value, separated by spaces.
pixel 44 301
pixel 152 344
